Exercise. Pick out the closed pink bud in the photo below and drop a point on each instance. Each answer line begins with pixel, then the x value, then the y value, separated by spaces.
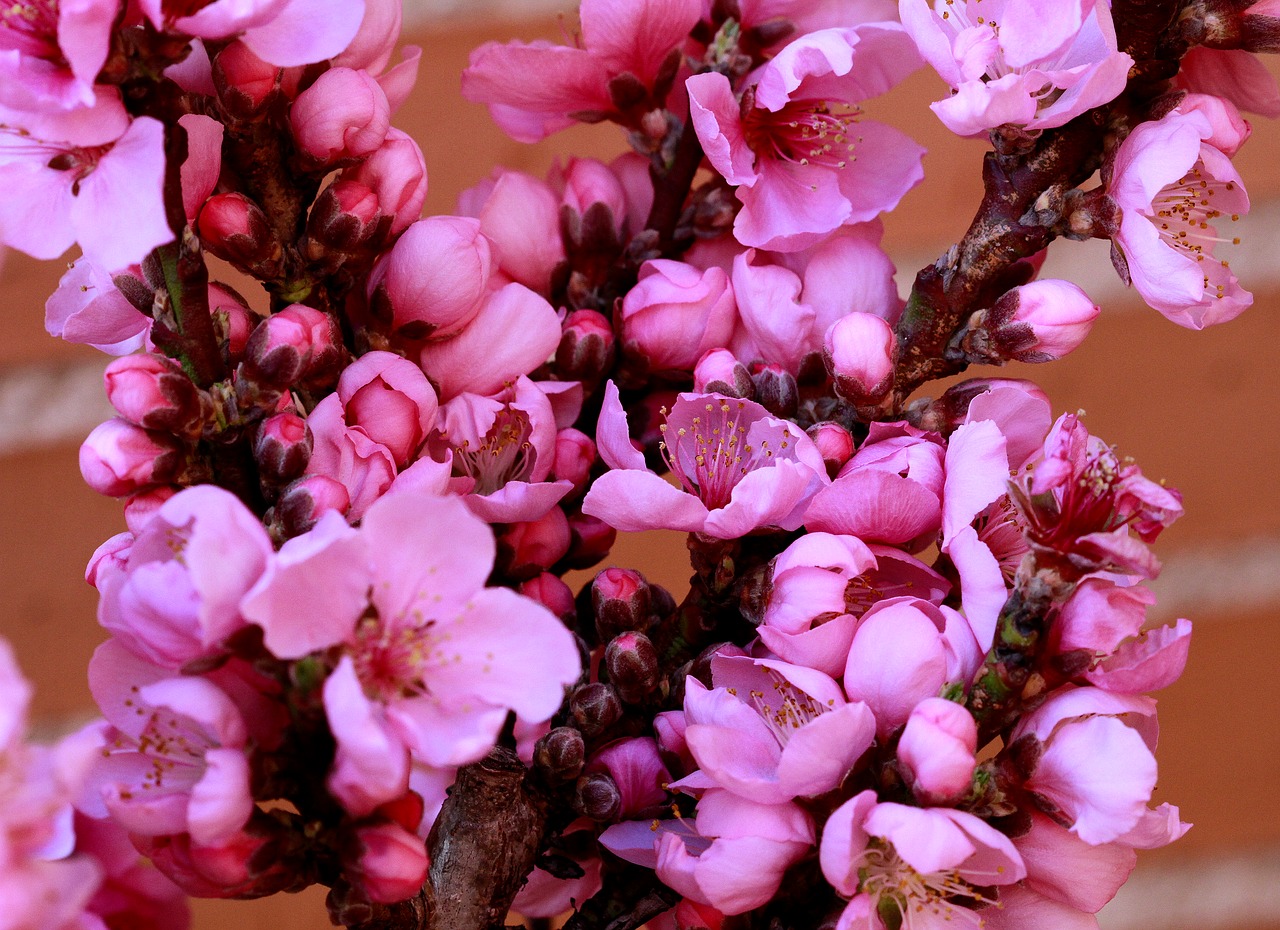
pixel 575 454
pixel 675 313
pixel 345 216
pixel 621 599
pixel 834 442
pixel 528 548
pixel 775 389
pixel 304 502
pixel 433 280
pixel 397 174
pixel 588 182
pixel 552 593
pixel 244 81
pixel 1039 322
pixel 235 229
pixel 295 344
pixel 344 114
pixel 590 540
pixel 119 458
pixel 521 216
pixel 586 347
pixel 859 351
pixel 233 321
pixel 152 392
pixel 937 750
pixel 391 400
pixel 720 372
pixel 282 448
pixel 392 865
pixel 632 662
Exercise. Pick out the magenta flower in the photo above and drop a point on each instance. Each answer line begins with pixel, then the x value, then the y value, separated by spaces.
pixel 1034 63
pixel 803 161
pixel 424 661
pixel 1174 189
pixel 739 469
pixel 929 865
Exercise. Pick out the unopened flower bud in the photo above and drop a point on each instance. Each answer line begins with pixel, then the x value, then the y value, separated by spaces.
pixel 345 216
pixel 397 174
pixel 620 601
pixel 392 863
pixel 533 546
pixel 553 594
pixel 244 81
pixel 834 442
pixel 590 183
pixel 586 347
pixel 575 454
pixel 233 321
pixel 632 662
pixel 433 280
pixel 720 372
pixel 305 501
pixel 859 351
pixel 235 229
pixel 1038 322
pixel 119 458
pixel 152 392
pixel 290 346
pixel 344 114
pixel 559 755
pixel 775 389
pixel 675 313
pixel 937 750
pixel 594 708
pixel 590 540
pixel 598 797
pixel 282 448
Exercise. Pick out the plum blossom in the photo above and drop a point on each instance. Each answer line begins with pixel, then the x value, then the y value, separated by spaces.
pixel 421 661
pixel 1030 63
pixel 803 160
pixel 739 469
pixel 1174 187
pixel 51 52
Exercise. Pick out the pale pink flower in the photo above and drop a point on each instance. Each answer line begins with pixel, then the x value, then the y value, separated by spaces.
pixel 803 161
pixel 348 455
pixel 390 399
pixel 1174 190
pixel 51 52
pixel 927 864
pixel 1034 64
pixel 624 43
pixel 739 469
pixel 397 174
pixel 344 114
pixel 87 307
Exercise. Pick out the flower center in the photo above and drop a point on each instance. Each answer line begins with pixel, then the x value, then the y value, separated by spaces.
pixel 31 27
pixel 898 888
pixel 173 746
pixel 504 454
pixel 805 132
pixel 711 454
pixel 1001 532
pixel 786 710
pixel 1184 215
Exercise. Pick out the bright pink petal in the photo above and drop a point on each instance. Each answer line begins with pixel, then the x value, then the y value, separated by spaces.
pixel 306 31
pixel 1148 664
pixel 371 765
pixel 715 114
pixel 630 500
pixel 637 35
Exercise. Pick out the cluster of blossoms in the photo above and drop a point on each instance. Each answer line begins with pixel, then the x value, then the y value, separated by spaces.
pixel 908 685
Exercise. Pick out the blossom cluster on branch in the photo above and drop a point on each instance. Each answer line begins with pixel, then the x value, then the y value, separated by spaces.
pixel 909 684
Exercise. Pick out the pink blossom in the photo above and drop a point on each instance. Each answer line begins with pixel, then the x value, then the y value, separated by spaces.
pixel 845 273
pixel 1066 869
pixel 674 314
pixel 344 114
pixel 860 351
pixel 397 174
pixel 803 161
pixel 390 399
pixel 1173 190
pixel 423 666
pixel 133 893
pixel 1150 662
pixel 348 455
pixel 770 732
pixel 119 458
pixel 175 596
pixel 1037 322
pixel 623 41
pixel 67 181
pixel 88 308
pixel 376 39
pixel 773 326
pixel 1234 74
pixel 739 469
pixel 51 53
pixel 888 857
pixel 937 751
pixel 392 864
pixel 520 216
pixel 1046 62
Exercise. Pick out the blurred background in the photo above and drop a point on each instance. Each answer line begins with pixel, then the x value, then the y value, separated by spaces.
pixel 1198 409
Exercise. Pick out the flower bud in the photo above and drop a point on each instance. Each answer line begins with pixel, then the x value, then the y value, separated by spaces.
pixel 559 755
pixel 720 372
pixel 290 346
pixel 392 864
pixel 344 114
pixel 775 389
pixel 632 662
pixel 594 708
pixel 153 392
pixel 282 448
pixel 597 797
pixel 586 347
pixel 553 594
pixel 1038 322
pixel 434 278
pixel 675 313
pixel 937 751
pixel 397 174
pixel 590 540
pixel 575 454
pixel 345 216
pixel 589 183
pixel 859 351
pixel 834 442
pixel 620 601
pixel 305 501
pixel 528 548
pixel 141 507
pixel 232 320
pixel 391 400
pixel 119 458
pixel 244 81
pixel 235 229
